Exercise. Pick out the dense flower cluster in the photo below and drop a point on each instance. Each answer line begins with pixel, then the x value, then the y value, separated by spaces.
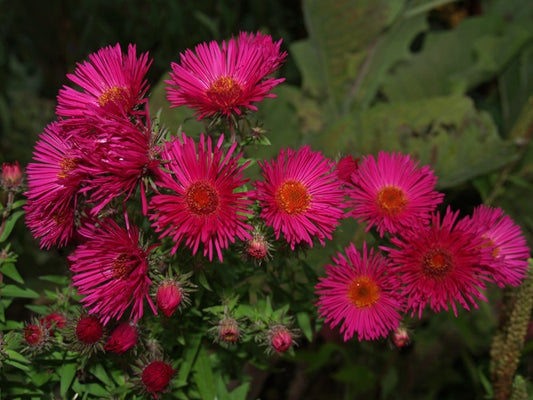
pixel 126 196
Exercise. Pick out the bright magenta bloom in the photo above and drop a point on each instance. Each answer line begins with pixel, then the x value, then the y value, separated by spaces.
pixel 441 264
pixel 53 181
pixel 392 193
pixel 507 243
pixel 225 79
pixel 300 196
pixel 360 294
pixel 122 153
pixel 111 81
pixel 111 270
pixel 201 204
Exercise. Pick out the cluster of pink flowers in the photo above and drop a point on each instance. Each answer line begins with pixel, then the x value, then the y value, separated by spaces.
pixel 102 153
pixel 432 260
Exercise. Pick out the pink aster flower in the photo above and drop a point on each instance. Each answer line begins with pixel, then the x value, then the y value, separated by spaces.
pixel 441 264
pixel 300 196
pixel 120 154
pixel 110 80
pixel 225 79
pixel 201 204
pixel 53 178
pixel 111 270
pixel 360 294
pixel 508 245
pixel 392 192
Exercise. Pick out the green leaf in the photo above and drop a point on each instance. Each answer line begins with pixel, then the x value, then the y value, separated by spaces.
pixel 241 392
pixel 16 291
pixel 66 372
pixel 203 376
pixel 59 279
pixel 10 271
pixel 343 33
pixel 99 371
pixel 17 364
pixel 188 359
pixel 304 322
pixel 10 224
pixel 447 133
pixel 14 356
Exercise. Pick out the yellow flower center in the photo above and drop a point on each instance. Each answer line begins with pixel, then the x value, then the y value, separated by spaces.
pixel 391 200
pixel 113 95
pixel 224 92
pixel 437 263
pixel 67 164
pixel 202 198
pixel 363 292
pixel 122 266
pixel 292 197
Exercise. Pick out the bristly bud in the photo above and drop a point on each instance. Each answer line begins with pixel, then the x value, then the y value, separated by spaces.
pixel 36 336
pixel 400 338
pixel 257 248
pixel 123 338
pixel 85 334
pixel 155 376
pixel 54 320
pixel 173 294
pixel 11 177
pixel 280 338
pixel 227 332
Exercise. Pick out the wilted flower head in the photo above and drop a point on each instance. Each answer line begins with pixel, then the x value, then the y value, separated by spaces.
pixel 36 336
pixel 227 78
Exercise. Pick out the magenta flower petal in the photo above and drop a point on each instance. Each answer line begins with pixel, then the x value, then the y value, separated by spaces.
pixel 392 192
pixel 441 264
pixel 360 294
pixel 225 78
pixel 300 196
pixel 111 81
pixel 111 270
pixel 201 201
pixel 508 244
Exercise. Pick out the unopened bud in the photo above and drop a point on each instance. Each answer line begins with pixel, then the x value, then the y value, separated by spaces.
pixel 11 176
pixel 168 297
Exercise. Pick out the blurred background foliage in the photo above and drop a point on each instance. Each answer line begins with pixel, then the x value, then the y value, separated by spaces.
pixel 450 82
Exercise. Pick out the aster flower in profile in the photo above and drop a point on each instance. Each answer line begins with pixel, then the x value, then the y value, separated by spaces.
pixel 300 196
pixel 392 192
pixel 111 270
pixel 54 177
pixel 227 78
pixel 508 244
pixel 122 338
pixel 111 82
pixel 360 294
pixel 122 155
pixel 200 201
pixel 441 264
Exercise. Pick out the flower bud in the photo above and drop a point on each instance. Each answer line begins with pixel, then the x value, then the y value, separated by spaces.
pixel 123 338
pixel 168 297
pixel 89 329
pixel 52 320
pixel 228 331
pixel 400 337
pixel 156 377
pixel 345 167
pixel 11 176
pixel 280 338
pixel 34 334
